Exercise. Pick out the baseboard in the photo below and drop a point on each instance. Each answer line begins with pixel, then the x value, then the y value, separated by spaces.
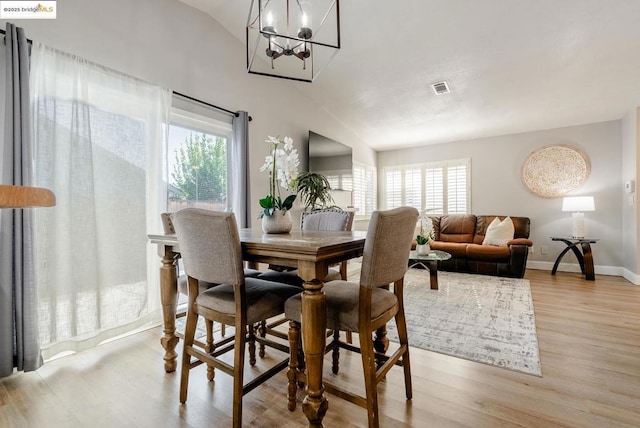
pixel 599 269
pixel 631 277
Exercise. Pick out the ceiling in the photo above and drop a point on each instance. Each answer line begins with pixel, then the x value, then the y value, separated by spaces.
pixel 512 65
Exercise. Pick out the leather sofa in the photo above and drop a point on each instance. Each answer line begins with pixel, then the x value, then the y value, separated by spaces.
pixel 462 235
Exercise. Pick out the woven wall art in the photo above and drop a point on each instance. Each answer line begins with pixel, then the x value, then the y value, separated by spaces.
pixel 554 171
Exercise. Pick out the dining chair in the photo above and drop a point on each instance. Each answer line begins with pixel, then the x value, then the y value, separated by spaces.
pixel 211 252
pixel 365 307
pixel 169 229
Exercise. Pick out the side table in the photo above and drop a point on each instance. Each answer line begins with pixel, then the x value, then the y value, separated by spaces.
pixel 585 258
pixel 429 261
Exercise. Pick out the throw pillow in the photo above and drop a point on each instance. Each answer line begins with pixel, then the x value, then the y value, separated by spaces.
pixel 499 232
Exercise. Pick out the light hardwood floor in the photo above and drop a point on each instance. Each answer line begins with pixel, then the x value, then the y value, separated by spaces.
pixel 588 333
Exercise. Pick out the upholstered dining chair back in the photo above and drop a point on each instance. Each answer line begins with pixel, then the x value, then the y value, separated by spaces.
pixel 210 245
pixel 387 247
pixel 327 220
pixel 167 224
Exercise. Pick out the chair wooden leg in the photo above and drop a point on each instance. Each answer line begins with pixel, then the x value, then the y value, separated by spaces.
pixel 335 352
pixel 238 374
pixel 369 369
pixel 209 347
pixel 252 345
pixel 406 364
pixel 262 331
pixel 223 329
pixel 344 277
pixel 302 364
pixel 292 373
pixel 190 331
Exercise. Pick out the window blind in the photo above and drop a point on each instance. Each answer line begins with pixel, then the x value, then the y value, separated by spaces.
pixel 364 189
pixel 437 187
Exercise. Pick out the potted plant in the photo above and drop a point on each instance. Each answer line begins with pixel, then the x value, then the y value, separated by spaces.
pixel 282 164
pixel 314 190
pixel 426 235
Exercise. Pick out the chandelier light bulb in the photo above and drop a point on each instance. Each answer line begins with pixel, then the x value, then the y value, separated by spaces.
pixel 304 32
pixel 270 19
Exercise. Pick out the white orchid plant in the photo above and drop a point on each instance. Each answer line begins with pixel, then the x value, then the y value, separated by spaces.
pixel 426 234
pixel 282 164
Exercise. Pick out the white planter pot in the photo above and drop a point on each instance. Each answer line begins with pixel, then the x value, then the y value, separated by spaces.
pixel 278 222
pixel 423 250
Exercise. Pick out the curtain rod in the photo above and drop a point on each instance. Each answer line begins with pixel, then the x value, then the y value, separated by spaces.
pixel 208 104
pixel 178 93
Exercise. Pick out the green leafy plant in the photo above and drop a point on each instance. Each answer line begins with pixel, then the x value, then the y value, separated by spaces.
pixel 270 204
pixel 314 190
pixel 421 239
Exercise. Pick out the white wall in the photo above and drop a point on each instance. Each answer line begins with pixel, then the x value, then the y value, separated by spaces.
pixel 178 47
pixel 497 188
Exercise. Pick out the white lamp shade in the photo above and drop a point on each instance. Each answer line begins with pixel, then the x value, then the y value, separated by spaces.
pixel 578 203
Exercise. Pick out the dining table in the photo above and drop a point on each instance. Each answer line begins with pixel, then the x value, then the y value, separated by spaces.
pixel 311 252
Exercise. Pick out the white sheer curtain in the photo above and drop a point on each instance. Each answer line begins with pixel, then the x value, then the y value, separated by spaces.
pixel 99 138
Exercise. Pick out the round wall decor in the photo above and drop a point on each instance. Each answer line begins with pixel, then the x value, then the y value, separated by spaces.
pixel 554 171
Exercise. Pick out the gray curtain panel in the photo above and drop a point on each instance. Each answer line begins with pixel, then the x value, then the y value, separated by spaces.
pixel 19 347
pixel 240 174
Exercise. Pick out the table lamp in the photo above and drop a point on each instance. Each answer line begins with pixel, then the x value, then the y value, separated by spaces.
pixel 578 204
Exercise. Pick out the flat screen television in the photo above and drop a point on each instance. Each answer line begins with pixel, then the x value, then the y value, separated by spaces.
pixel 334 160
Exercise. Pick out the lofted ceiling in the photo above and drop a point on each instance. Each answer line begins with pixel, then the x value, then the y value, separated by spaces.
pixel 512 65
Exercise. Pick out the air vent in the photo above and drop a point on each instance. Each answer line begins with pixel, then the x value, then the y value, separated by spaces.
pixel 440 88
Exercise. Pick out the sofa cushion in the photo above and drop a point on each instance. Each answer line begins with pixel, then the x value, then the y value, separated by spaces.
pixel 521 226
pixel 499 233
pixel 454 228
pixel 488 253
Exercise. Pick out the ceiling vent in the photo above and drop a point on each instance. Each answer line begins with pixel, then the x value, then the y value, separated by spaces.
pixel 440 88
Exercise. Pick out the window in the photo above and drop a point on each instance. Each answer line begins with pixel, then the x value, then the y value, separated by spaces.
pixel 197 159
pixel 437 187
pixel 364 189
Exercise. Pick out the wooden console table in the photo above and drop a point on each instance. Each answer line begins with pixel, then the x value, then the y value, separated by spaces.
pixel 585 258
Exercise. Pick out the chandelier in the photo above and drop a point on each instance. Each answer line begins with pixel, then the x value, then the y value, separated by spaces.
pixel 292 39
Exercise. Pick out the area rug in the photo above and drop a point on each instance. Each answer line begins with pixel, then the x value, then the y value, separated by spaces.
pixel 476 317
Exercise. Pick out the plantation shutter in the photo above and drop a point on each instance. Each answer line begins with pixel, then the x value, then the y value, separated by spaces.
pixel 434 190
pixel 394 188
pixel 457 189
pixel 413 187
pixel 364 189
pixel 437 187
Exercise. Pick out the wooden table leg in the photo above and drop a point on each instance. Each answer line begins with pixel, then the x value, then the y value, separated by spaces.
pixel 433 274
pixel 589 270
pixel 169 300
pixel 314 326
